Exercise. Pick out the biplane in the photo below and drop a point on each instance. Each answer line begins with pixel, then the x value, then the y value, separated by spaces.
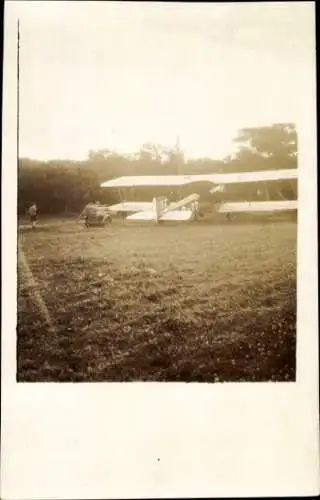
pixel 187 208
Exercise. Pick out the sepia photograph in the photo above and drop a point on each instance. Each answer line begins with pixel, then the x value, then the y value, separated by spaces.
pixel 157 193
pixel 159 250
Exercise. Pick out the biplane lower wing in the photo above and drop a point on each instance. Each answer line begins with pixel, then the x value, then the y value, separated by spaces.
pixel 259 206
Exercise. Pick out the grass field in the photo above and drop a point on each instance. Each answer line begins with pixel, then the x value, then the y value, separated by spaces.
pixel 195 302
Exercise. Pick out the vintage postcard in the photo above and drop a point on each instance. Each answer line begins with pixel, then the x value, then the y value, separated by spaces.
pixel 159 215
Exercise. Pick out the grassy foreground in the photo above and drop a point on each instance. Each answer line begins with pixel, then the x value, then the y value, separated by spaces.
pixel 196 302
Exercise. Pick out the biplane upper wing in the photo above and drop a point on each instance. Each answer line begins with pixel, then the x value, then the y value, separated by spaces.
pixel 260 176
pixel 149 181
pixel 182 180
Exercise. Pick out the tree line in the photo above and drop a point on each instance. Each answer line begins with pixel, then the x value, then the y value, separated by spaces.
pixel 65 186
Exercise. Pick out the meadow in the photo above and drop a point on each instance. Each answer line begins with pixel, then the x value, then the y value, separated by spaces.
pixel 198 302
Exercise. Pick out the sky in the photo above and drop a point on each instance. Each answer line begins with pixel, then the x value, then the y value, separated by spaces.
pixel 118 74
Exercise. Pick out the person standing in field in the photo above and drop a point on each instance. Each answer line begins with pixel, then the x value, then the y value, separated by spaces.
pixel 195 210
pixel 33 212
pixel 89 210
pixel 94 211
pixel 196 206
pixel 100 212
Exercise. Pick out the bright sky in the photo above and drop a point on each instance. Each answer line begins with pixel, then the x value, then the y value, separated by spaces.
pixel 116 75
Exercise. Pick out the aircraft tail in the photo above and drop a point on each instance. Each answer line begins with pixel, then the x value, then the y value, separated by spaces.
pixel 181 203
pixel 163 212
pixel 174 215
